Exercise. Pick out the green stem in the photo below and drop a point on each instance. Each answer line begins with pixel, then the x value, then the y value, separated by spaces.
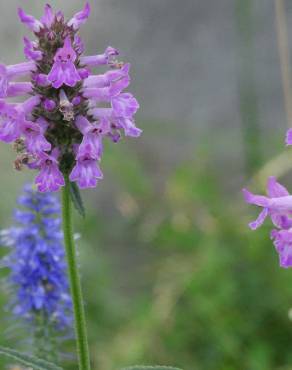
pixel 75 285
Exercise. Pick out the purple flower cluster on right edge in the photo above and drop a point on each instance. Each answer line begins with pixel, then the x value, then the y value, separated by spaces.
pixel 278 205
pixel 68 112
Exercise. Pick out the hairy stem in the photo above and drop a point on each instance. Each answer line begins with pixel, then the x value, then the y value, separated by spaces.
pixel 75 285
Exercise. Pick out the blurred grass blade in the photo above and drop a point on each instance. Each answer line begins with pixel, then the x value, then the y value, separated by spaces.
pixel 150 368
pixel 76 198
pixel 248 98
pixel 27 360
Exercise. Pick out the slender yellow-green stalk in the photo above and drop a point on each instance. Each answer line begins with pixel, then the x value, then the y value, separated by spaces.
pixel 282 37
pixel 281 164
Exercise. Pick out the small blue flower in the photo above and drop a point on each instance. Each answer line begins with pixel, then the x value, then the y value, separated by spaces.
pixel 37 261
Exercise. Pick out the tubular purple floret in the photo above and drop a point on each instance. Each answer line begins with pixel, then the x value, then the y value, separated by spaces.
pixel 107 93
pixel 48 17
pixel 32 23
pixel 106 78
pixel 18 89
pixel 80 17
pixel 101 59
pixel 21 69
pixel 28 105
pixel 7 73
pixel 30 50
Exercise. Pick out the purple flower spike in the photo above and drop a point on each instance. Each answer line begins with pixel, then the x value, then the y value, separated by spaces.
pixel 50 177
pixel 64 71
pixel 86 172
pixel 33 24
pixel 80 18
pixel 60 129
pixel 37 280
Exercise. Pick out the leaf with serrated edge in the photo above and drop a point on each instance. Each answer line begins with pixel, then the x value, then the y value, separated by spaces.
pixel 76 198
pixel 27 360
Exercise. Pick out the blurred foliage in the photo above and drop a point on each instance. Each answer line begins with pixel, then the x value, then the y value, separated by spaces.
pixel 209 292
pixel 173 276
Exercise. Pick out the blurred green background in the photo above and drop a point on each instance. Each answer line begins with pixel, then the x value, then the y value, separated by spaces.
pixel 171 273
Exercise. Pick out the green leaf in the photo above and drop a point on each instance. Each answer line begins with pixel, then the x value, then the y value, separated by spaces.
pixel 27 360
pixel 139 367
pixel 76 198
